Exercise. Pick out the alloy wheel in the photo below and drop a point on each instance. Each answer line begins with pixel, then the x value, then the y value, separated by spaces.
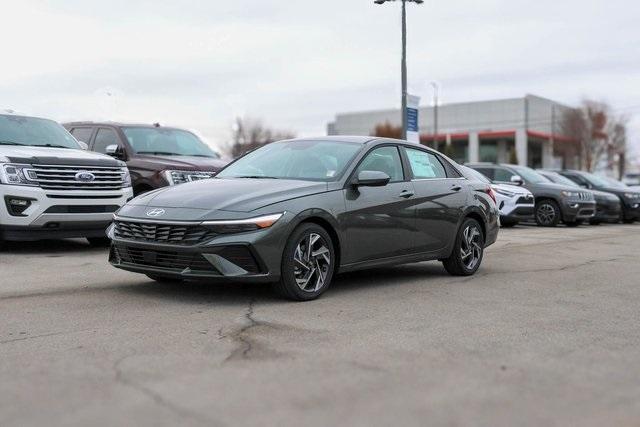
pixel 470 247
pixel 312 262
pixel 546 213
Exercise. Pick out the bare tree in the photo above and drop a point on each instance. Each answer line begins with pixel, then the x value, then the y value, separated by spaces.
pixel 387 130
pixel 598 133
pixel 249 134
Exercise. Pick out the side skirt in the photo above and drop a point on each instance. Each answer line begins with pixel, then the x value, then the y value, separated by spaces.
pixel 398 260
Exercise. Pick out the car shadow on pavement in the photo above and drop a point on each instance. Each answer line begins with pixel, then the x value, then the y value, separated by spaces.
pixel 239 293
pixel 47 247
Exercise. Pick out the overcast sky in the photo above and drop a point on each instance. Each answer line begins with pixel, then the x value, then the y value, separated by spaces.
pixel 295 64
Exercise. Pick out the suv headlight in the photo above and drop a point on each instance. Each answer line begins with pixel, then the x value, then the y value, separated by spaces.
pixel 570 193
pixel 632 196
pixel 175 177
pixel 504 192
pixel 14 174
pixel 126 178
pixel 243 225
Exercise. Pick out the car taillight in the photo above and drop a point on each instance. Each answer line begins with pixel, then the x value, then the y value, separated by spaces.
pixel 492 194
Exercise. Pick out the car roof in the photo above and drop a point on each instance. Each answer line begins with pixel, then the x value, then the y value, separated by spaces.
pixel 119 124
pixel 338 138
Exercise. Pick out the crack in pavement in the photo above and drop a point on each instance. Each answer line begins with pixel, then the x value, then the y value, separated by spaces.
pixel 51 334
pixel 242 336
pixel 157 398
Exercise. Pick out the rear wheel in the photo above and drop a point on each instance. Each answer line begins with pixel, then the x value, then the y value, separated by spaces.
pixel 468 250
pixel 99 241
pixel 308 264
pixel 547 213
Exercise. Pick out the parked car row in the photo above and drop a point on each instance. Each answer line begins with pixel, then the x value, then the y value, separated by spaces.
pixel 57 184
pixel 567 196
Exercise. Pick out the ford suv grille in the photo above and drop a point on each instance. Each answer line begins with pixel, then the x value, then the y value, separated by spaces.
pixel 55 177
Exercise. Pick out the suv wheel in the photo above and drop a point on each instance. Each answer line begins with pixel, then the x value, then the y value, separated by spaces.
pixel 308 264
pixel 547 213
pixel 467 250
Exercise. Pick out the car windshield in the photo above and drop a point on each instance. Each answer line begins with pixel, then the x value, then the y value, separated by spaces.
pixel 33 131
pixel 559 179
pixel 617 184
pixel 596 180
pixel 301 159
pixel 530 176
pixel 170 142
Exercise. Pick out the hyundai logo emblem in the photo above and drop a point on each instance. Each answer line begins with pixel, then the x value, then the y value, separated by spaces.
pixel 155 212
pixel 85 176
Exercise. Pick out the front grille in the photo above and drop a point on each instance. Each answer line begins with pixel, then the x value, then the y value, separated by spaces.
pixel 585 196
pixel 82 209
pixel 524 200
pixel 161 259
pixel 162 233
pixel 55 177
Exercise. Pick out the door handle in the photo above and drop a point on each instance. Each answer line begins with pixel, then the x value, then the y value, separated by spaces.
pixel 406 194
pixel 456 187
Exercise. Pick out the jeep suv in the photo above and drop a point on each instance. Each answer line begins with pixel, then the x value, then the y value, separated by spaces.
pixel 156 156
pixel 50 187
pixel 554 202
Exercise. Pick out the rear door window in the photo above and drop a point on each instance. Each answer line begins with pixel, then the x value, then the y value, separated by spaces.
pixel 425 165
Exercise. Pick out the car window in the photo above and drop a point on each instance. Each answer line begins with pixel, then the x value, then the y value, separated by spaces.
pixel 104 138
pixel 488 172
pixel 503 175
pixel 425 165
pixel 82 134
pixel 384 159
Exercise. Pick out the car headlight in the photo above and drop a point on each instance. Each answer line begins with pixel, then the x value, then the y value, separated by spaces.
pixel 126 178
pixel 175 177
pixel 243 225
pixel 14 174
pixel 570 193
pixel 632 196
pixel 504 192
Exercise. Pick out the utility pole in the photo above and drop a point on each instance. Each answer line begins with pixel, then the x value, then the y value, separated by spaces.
pixel 403 66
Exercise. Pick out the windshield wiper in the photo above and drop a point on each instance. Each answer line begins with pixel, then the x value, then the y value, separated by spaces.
pixel 51 146
pixel 159 153
pixel 11 143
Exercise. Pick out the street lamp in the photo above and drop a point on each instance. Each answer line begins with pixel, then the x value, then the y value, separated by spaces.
pixel 435 114
pixel 404 60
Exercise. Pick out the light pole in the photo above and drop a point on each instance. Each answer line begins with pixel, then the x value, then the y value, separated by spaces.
pixel 404 60
pixel 435 114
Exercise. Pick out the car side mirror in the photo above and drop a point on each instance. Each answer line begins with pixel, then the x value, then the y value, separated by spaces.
pixel 517 180
pixel 114 150
pixel 83 145
pixel 372 179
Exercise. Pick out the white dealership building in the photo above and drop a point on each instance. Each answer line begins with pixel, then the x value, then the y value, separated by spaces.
pixel 524 130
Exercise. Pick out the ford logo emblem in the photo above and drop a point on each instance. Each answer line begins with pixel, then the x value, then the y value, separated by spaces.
pixel 85 177
pixel 155 212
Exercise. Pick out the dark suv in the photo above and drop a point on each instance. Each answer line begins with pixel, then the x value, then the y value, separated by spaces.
pixel 629 197
pixel 554 202
pixel 156 156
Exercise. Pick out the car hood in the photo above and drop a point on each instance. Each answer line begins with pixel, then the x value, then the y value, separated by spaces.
pixel 552 186
pixel 184 162
pixel 604 195
pixel 54 156
pixel 236 195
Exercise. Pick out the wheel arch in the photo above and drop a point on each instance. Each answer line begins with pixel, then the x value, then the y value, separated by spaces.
pixel 326 221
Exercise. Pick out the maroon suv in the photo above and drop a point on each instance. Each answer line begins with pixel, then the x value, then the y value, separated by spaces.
pixel 156 156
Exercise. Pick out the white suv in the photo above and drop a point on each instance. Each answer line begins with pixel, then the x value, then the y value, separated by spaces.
pixel 50 187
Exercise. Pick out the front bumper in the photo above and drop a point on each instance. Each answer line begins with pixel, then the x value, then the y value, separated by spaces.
pixel 608 211
pixel 631 210
pixel 248 257
pixel 58 214
pixel 578 210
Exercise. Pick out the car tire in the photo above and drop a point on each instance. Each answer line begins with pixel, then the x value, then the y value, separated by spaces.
pixel 629 220
pixel 469 243
pixel 163 279
pixel 547 213
pixel 573 223
pixel 305 275
pixel 595 222
pixel 99 242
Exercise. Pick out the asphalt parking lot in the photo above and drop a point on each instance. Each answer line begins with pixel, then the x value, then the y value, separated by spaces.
pixel 547 333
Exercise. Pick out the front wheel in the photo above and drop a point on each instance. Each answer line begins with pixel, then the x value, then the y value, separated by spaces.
pixel 308 264
pixel 468 250
pixel 547 213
